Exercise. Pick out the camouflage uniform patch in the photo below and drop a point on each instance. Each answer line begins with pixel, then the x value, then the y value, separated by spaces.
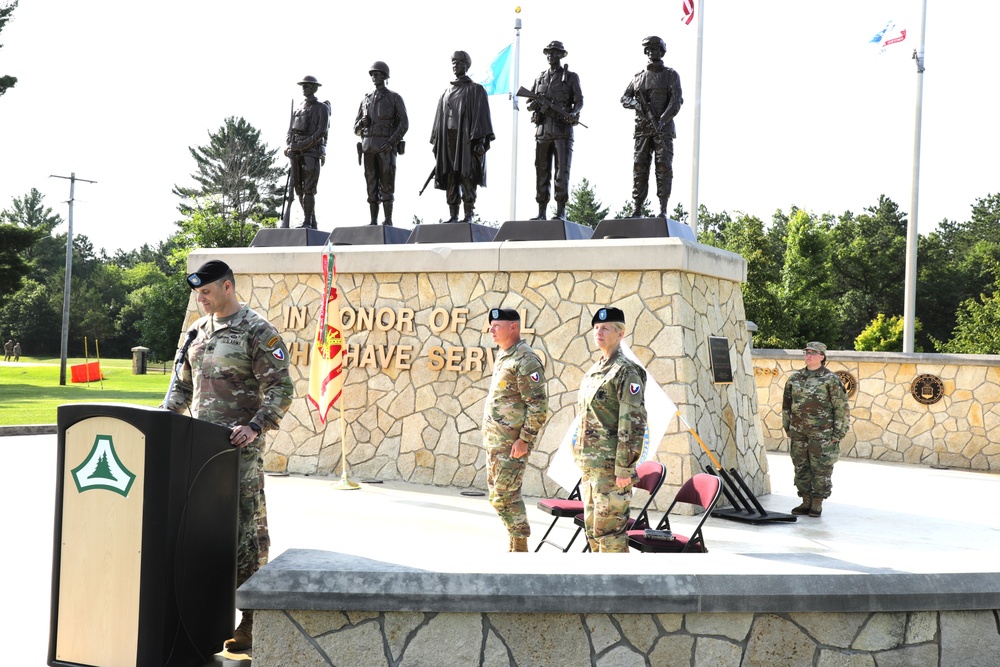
pixel 516 407
pixel 242 376
pixel 816 416
pixel 612 424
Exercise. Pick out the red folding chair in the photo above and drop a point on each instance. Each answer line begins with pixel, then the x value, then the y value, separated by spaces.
pixel 702 490
pixel 651 475
pixel 561 508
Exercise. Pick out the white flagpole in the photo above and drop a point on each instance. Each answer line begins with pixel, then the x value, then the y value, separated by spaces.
pixel 513 97
pixel 696 152
pixel 910 287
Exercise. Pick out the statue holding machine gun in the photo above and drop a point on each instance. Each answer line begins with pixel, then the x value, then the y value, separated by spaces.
pixel 555 101
pixel 655 94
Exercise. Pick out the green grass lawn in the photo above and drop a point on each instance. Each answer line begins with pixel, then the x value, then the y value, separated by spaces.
pixel 30 394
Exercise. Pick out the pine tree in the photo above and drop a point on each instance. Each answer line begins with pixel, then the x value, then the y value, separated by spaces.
pixel 6 81
pixel 584 207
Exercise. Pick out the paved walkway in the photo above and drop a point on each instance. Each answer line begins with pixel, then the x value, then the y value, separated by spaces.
pixel 881 518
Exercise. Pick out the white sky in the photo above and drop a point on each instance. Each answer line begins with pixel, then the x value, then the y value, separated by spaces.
pixel 797 108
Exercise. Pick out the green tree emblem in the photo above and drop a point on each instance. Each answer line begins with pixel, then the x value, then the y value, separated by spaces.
pixel 102 469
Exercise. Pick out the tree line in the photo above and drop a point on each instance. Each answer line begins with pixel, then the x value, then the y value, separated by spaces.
pixel 837 279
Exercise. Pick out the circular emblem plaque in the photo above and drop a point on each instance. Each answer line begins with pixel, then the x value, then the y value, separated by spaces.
pixel 927 389
pixel 850 383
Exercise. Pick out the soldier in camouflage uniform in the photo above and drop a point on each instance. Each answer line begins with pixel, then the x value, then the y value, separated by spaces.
pixel 516 409
pixel 612 415
pixel 235 374
pixel 815 415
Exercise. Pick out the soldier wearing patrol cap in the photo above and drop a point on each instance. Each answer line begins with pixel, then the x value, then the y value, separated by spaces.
pixel 554 115
pixel 306 147
pixel 516 409
pixel 611 413
pixel 381 123
pixel 235 374
pixel 815 415
pixel 655 94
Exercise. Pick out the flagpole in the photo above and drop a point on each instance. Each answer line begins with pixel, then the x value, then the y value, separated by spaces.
pixel 513 87
pixel 696 150
pixel 345 483
pixel 912 235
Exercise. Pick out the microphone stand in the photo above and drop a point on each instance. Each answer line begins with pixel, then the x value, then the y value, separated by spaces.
pixel 178 363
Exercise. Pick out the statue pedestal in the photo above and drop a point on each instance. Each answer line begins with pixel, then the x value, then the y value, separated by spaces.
pixel 639 228
pixel 277 238
pixel 452 232
pixel 543 230
pixel 369 235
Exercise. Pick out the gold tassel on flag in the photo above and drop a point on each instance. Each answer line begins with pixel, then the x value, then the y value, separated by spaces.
pixel 326 368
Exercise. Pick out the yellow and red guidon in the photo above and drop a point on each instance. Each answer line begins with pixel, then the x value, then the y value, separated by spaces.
pixel 326 378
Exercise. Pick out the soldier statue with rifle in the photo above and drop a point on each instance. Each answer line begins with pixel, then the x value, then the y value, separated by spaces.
pixel 555 101
pixel 655 94
pixel 306 150
pixel 381 123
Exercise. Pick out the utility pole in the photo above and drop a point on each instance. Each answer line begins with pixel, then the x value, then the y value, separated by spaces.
pixel 64 338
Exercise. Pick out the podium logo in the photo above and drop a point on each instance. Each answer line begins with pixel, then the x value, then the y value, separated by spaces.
pixel 103 470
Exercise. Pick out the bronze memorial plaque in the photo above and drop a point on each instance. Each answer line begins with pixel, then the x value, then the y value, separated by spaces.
pixel 722 367
pixel 927 389
pixel 850 383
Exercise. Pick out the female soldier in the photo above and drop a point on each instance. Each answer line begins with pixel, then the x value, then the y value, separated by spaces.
pixel 815 415
pixel 609 436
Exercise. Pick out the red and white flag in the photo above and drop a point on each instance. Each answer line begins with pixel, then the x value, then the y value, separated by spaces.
pixel 688 12
pixel 326 379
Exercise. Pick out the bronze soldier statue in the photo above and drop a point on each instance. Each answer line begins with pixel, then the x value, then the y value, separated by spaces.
pixel 655 94
pixel 461 136
pixel 306 148
pixel 555 111
pixel 381 123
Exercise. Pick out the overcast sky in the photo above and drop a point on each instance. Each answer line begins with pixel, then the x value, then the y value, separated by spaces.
pixel 797 107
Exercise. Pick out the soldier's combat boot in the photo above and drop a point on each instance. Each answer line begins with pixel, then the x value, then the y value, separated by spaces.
pixel 453 210
pixel 373 208
pixel 560 211
pixel 542 206
pixel 387 207
pixel 816 508
pixel 637 209
pixel 242 639
pixel 804 507
pixel 519 544
pixel 470 210
pixel 663 208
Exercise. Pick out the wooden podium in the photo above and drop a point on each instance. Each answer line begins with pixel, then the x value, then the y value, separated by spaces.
pixel 144 559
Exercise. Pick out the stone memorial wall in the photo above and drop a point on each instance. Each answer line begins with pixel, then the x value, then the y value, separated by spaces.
pixel 419 358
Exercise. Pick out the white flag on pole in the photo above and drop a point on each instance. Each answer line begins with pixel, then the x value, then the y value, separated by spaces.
pixel 659 411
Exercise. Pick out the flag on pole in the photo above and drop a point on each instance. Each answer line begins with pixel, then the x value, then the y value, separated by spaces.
pixel 659 411
pixel 688 12
pixel 498 79
pixel 887 36
pixel 326 378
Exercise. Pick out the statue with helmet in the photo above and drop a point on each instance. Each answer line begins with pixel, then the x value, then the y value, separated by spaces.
pixel 655 95
pixel 555 103
pixel 381 123
pixel 306 150
pixel 461 135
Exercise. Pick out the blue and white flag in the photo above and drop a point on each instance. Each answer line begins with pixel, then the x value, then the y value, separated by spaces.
pixel 498 79
pixel 659 411
pixel 887 36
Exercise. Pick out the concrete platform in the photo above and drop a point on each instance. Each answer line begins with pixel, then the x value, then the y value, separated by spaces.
pixel 883 519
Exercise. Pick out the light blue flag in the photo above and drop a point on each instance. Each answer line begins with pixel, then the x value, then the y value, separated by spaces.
pixel 498 78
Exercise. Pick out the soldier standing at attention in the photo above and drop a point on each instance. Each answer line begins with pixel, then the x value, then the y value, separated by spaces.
pixel 655 94
pixel 381 124
pixel 235 374
pixel 554 134
pixel 306 148
pixel 612 422
pixel 816 417
pixel 516 409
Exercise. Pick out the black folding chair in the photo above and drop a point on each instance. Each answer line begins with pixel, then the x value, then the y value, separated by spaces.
pixel 561 508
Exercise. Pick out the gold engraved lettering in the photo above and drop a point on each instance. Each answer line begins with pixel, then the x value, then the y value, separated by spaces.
pixel 348 317
pixel 454 358
pixel 459 316
pixel 404 357
pixel 474 359
pixel 368 358
pixel 385 319
pixel 436 355
pixel 351 356
pixel 404 322
pixel 365 318
pixel 298 353
pixel 437 315
pixel 295 317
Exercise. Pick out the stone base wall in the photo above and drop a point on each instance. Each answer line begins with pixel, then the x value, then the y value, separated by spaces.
pixel 444 639
pixel 420 357
pixel 961 430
